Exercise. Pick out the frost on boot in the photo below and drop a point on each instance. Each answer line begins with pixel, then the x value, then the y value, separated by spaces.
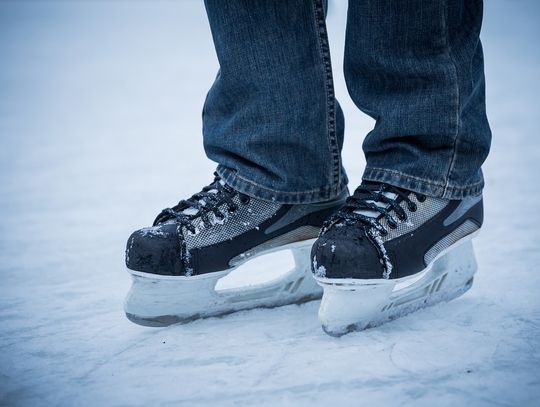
pixel 389 252
pixel 176 263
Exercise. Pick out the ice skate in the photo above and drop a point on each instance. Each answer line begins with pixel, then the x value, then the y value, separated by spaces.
pixel 389 252
pixel 176 263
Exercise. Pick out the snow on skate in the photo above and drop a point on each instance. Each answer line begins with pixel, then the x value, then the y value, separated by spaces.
pixel 390 252
pixel 177 263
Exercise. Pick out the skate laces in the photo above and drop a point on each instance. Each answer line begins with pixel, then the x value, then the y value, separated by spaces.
pixel 202 204
pixel 371 202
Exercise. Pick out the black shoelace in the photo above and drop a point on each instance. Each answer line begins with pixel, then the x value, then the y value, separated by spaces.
pixel 203 203
pixel 366 197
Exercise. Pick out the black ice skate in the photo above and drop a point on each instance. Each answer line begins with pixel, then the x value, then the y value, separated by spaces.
pixel 389 252
pixel 176 263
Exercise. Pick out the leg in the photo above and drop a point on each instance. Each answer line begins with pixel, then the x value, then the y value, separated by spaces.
pixel 402 241
pixel 416 67
pixel 272 123
pixel 271 120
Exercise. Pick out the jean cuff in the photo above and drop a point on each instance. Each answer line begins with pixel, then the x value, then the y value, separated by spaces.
pixel 422 185
pixel 253 189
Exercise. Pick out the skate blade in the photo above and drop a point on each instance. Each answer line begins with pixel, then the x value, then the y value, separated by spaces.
pixel 156 301
pixel 353 305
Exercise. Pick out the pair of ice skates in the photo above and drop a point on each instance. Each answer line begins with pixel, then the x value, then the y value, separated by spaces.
pixel 381 253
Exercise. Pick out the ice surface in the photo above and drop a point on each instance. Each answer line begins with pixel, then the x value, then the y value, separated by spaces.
pixel 100 129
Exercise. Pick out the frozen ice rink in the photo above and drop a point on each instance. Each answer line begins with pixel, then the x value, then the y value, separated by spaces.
pixel 100 129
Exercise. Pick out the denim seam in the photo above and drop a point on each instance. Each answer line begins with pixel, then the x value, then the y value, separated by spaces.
pixel 457 101
pixel 250 188
pixel 258 186
pixel 324 53
pixel 423 180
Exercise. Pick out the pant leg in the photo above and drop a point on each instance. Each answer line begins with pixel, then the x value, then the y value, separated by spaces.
pixel 271 120
pixel 416 67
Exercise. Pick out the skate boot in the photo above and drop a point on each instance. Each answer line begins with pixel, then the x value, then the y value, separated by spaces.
pixel 176 263
pixel 389 252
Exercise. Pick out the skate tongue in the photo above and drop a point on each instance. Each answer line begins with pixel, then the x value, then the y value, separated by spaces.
pixel 193 211
pixel 374 214
pixel 214 191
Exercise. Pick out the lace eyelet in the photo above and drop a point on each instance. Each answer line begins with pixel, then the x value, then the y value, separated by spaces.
pixel 412 207
pixel 392 226
pixel 421 198
pixel 233 209
pixel 244 199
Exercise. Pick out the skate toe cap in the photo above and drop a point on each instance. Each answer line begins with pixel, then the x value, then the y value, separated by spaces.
pixel 345 257
pixel 154 250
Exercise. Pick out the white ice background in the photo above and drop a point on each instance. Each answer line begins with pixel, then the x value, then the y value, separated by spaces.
pixel 100 128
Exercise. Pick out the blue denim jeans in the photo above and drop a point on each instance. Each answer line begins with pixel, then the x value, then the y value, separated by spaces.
pixel 272 123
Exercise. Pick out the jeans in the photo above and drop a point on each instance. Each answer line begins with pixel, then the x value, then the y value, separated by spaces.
pixel 272 122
